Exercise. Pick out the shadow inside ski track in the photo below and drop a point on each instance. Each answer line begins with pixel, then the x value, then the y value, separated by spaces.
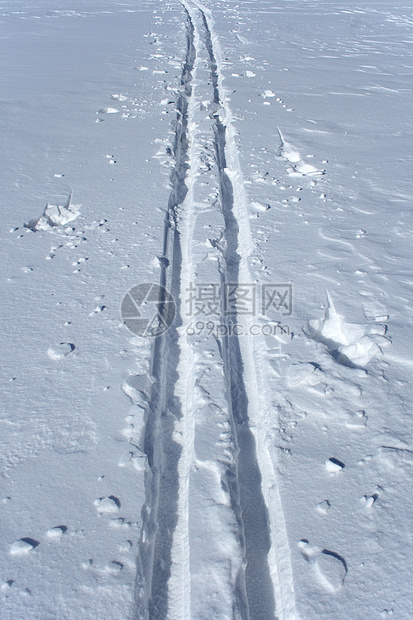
pixel 159 514
pixel 260 603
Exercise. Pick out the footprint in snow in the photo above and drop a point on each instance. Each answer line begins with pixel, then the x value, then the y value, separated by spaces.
pixel 9 585
pixel 334 466
pixel 125 546
pixel 109 504
pixel 55 533
pixel 80 260
pixel 329 568
pixel 107 110
pixel 323 507
pixel 52 252
pixel 113 568
pixel 357 420
pixel 133 459
pixel 304 374
pixel 23 546
pixel 60 351
pixel 97 310
pixel 369 500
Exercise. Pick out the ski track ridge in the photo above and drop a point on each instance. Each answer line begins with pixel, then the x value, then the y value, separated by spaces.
pixel 264 588
pixel 246 380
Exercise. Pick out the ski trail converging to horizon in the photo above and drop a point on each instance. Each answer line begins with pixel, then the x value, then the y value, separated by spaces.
pixel 225 493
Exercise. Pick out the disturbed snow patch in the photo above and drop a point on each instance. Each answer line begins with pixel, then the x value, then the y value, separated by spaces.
pixel 330 568
pixel 298 166
pixel 350 344
pixel 55 215
pixel 60 351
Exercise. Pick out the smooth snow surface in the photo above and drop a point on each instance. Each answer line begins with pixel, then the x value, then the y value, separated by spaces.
pixel 254 461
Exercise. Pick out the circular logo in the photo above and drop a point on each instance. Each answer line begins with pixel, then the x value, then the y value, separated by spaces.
pixel 148 310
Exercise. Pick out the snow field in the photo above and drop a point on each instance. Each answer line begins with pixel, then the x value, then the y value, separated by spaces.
pixel 203 475
pixel 324 232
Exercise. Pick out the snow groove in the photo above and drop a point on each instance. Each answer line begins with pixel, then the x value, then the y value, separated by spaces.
pixel 259 591
pixel 263 519
pixel 162 480
pixel 268 568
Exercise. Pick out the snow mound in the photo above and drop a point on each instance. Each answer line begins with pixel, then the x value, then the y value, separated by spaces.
pixel 350 344
pixel 55 215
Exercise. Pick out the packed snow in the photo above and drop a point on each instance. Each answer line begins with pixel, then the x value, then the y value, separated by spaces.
pixel 207 308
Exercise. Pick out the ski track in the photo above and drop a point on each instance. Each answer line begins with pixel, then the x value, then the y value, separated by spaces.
pixel 259 582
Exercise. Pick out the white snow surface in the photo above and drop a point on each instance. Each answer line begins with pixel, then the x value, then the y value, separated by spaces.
pixel 259 150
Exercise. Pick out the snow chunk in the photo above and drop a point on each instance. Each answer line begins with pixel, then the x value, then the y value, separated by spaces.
pixel 362 352
pixel 350 344
pixel 334 328
pixel 259 206
pixel 55 215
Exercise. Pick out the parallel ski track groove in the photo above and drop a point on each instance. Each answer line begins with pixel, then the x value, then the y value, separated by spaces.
pixel 246 388
pixel 160 511
pixel 260 601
